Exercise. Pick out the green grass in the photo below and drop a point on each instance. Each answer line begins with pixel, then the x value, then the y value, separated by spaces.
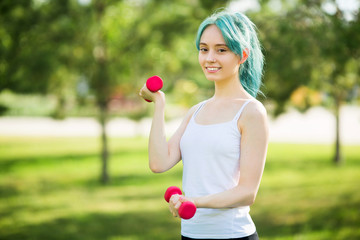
pixel 49 189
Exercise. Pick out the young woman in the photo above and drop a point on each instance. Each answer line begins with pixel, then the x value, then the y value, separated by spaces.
pixel 222 141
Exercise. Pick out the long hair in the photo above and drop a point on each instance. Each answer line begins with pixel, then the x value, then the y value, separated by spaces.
pixel 239 34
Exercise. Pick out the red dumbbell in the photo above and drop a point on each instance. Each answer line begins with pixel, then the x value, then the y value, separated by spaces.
pixel 187 209
pixel 154 84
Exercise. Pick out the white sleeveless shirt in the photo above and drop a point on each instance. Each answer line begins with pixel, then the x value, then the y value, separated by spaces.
pixel 211 164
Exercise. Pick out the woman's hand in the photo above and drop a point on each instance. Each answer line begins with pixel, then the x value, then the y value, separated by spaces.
pixel 175 202
pixel 146 94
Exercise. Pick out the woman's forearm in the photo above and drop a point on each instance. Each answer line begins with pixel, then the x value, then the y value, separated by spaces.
pixel 158 146
pixel 235 197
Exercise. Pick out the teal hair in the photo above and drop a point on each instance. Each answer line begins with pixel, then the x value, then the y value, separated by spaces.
pixel 239 34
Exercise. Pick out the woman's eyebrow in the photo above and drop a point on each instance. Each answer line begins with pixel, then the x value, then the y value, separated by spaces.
pixel 217 45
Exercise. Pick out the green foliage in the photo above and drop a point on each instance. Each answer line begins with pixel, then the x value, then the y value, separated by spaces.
pixel 53 46
pixel 3 109
pixel 305 45
pixel 48 190
pixel 311 57
pixel 27 104
pixel 35 40
pixel 110 46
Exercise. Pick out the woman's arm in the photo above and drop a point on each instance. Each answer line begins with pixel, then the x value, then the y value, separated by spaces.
pixel 163 155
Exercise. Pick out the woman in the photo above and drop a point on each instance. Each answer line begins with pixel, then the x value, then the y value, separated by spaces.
pixel 220 181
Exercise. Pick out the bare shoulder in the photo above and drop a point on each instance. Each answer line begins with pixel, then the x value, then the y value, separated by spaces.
pixel 255 109
pixel 190 112
pixel 180 131
pixel 193 109
pixel 253 114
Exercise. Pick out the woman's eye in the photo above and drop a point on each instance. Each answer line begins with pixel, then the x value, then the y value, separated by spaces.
pixel 203 49
pixel 222 50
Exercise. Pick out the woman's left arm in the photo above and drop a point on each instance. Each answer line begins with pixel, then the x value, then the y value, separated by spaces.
pixel 253 126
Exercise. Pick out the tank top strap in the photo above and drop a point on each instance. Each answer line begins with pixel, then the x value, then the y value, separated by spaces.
pixel 237 116
pixel 199 108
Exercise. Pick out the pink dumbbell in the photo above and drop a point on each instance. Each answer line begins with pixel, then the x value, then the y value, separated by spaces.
pixel 154 84
pixel 187 209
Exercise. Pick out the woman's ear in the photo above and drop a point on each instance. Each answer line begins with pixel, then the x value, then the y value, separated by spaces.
pixel 245 56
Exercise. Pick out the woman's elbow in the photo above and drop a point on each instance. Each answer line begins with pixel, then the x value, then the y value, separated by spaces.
pixel 250 200
pixel 156 168
pixel 246 195
pixel 247 199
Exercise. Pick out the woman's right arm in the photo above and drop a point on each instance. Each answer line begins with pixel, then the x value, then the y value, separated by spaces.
pixel 163 154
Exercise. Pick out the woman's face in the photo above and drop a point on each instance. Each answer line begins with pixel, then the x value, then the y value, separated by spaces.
pixel 216 60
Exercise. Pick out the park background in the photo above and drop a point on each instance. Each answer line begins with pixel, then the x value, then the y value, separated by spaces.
pixel 73 147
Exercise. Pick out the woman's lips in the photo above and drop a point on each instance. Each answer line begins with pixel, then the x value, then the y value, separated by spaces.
pixel 212 69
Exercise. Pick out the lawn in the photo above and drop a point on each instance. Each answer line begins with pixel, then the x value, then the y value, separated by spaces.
pixel 49 189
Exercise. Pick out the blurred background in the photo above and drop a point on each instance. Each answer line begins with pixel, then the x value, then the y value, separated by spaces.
pixel 73 131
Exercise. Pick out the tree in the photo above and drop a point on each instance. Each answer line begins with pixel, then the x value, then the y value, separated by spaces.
pixel 307 46
pixel 110 46
pixel 39 47
pixel 342 52
pixel 134 40
pixel 101 81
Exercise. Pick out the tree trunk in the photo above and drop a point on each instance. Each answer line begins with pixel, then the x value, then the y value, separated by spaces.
pixel 102 86
pixel 338 157
pixel 104 177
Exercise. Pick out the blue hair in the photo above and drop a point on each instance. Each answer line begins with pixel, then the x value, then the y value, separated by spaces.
pixel 239 34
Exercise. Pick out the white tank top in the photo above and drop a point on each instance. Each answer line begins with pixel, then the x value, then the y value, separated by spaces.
pixel 211 164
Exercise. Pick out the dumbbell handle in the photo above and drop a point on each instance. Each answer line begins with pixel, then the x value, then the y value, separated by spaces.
pixel 187 209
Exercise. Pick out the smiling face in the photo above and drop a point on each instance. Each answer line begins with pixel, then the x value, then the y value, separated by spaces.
pixel 216 59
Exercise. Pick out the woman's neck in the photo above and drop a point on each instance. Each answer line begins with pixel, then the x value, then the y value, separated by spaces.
pixel 230 90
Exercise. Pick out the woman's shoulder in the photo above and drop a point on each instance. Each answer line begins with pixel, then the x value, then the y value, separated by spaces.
pixel 195 107
pixel 192 110
pixel 253 117
pixel 257 105
pixel 250 105
pixel 254 109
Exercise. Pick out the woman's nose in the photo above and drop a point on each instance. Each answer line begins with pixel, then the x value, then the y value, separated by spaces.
pixel 211 57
